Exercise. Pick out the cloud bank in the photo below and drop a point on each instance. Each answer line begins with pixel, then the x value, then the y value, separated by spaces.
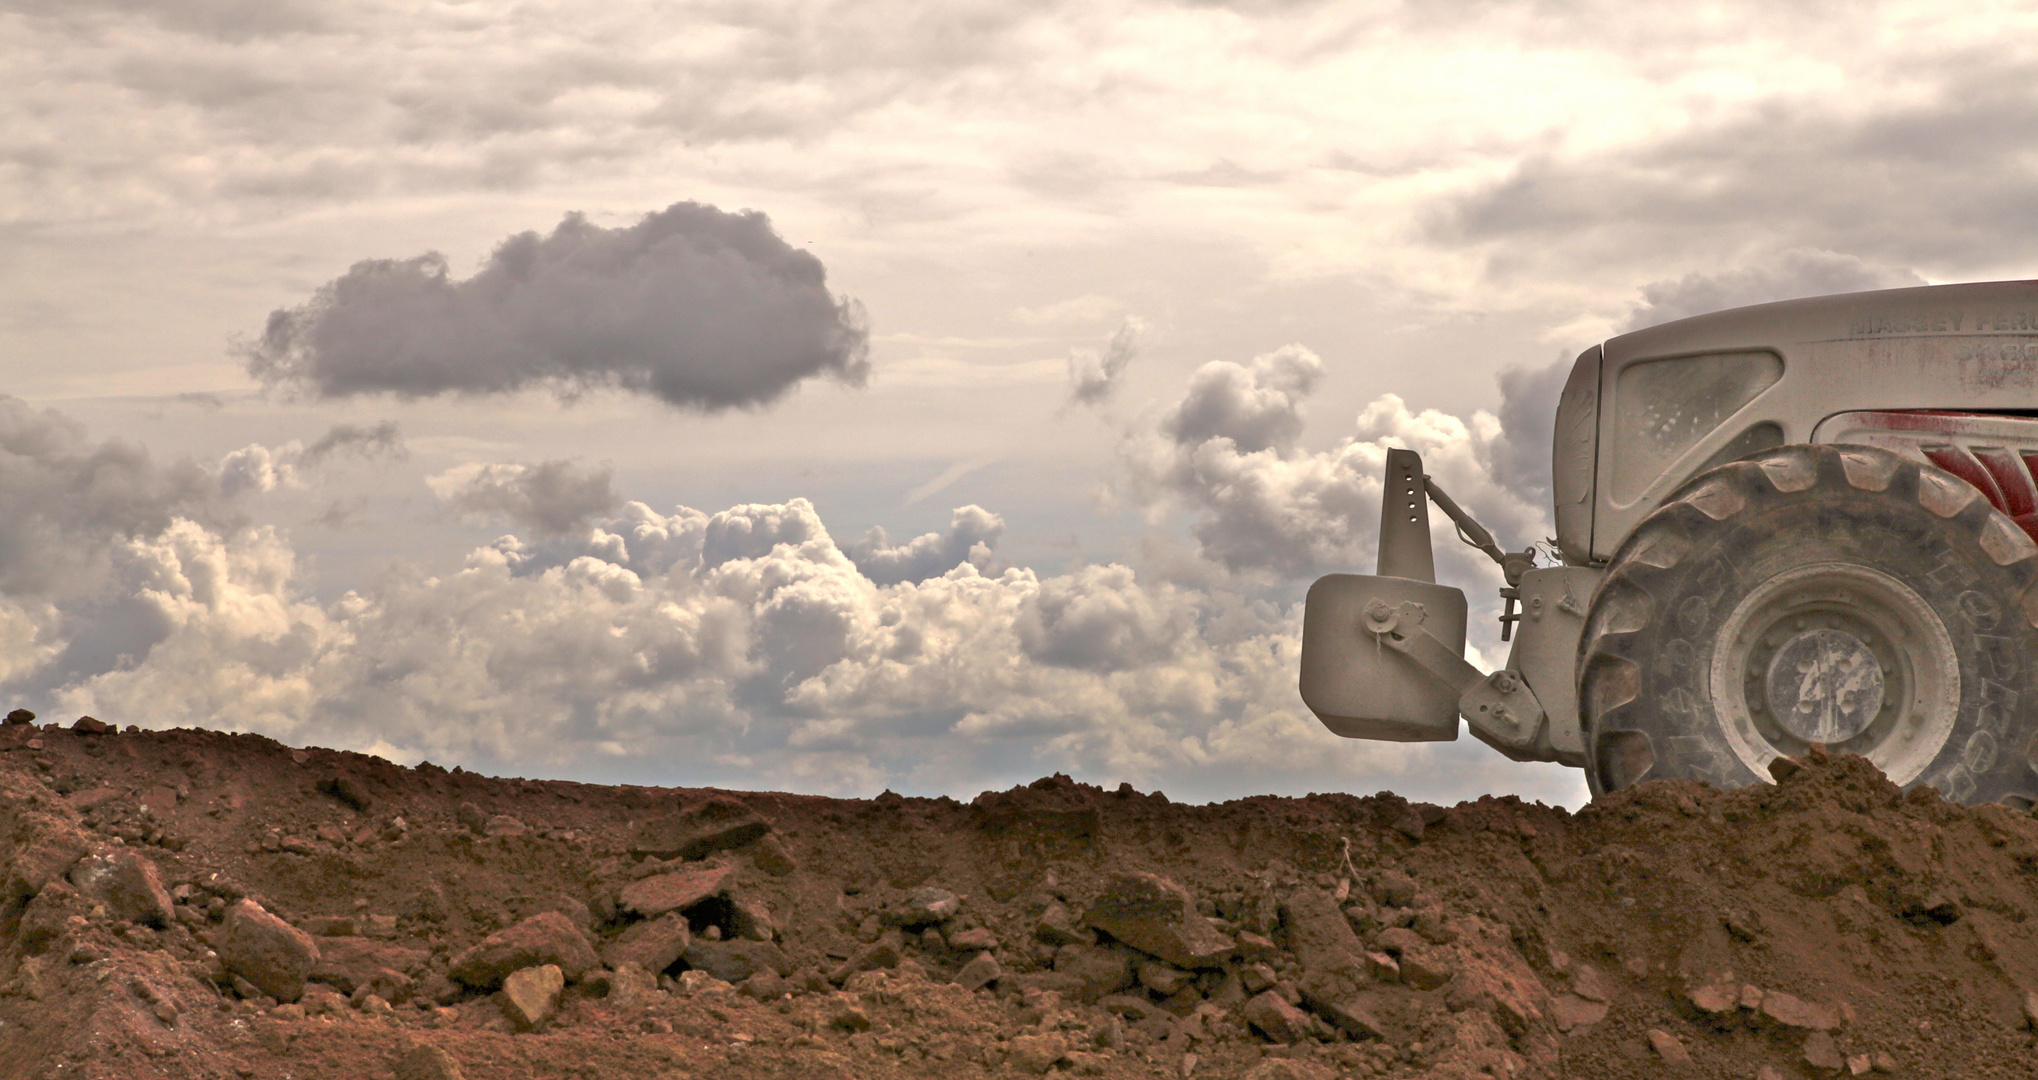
pixel 750 647
pixel 694 306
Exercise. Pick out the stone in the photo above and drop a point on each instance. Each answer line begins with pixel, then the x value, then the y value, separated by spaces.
pixel 91 725
pixel 375 1005
pixel 1434 928
pixel 768 853
pixel 1275 1018
pixel 322 1003
pixel 2031 1009
pixel 701 982
pixel 1057 927
pixel 1669 1047
pixel 1394 889
pixel 974 940
pixel 46 858
pixel 631 984
pixel 1715 999
pixel 750 918
pixel 1823 1054
pixel 1795 1012
pixel 654 896
pixel 980 972
pixel 1135 1008
pixel 735 961
pixel 47 917
pixel 1397 940
pixel 128 884
pixel 1589 983
pixel 387 984
pixel 1036 1054
pixel 426 1063
pixel 1427 968
pixel 872 957
pixel 1319 933
pixel 700 830
pixel 84 802
pixel 1768 1072
pixel 1253 946
pixel 349 791
pixel 764 986
pixel 503 825
pixel 654 944
pixel 923 906
pixel 20 716
pixel 545 938
pixel 1859 1064
pixel 1338 999
pixel 347 963
pixel 1383 967
pixel 850 1018
pixel 470 817
pixel 272 955
pixel 1157 916
pixel 1256 977
pixel 157 799
pixel 1097 969
pixel 1164 979
pixel 531 995
pixel 1570 1011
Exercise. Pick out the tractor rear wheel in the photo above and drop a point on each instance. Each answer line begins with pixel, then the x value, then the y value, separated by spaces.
pixel 1839 595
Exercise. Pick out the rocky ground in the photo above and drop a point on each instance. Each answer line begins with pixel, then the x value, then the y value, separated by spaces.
pixel 198 904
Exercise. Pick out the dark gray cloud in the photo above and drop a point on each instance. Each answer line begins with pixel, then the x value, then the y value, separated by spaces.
pixel 1256 407
pixel 697 307
pixel 549 498
pixel 1788 276
pixel 1093 374
pixel 1520 457
pixel 972 535
pixel 66 501
pixel 1940 180
pixel 382 440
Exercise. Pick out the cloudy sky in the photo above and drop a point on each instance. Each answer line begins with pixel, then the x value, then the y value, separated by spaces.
pixel 835 396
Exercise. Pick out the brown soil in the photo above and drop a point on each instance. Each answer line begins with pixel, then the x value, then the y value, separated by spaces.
pixel 1824 925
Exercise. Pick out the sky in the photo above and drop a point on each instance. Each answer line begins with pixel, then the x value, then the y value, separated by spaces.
pixel 849 396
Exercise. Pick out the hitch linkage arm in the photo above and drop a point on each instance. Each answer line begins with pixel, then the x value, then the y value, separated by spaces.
pixel 1512 565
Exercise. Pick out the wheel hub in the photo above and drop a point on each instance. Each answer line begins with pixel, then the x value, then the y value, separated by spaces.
pixel 1824 686
pixel 1836 653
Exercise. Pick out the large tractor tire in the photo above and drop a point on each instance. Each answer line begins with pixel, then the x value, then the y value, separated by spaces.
pixel 1839 595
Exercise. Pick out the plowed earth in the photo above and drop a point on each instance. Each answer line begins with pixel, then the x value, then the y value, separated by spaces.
pixel 1826 925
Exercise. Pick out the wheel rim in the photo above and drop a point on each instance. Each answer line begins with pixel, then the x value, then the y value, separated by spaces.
pixel 1840 654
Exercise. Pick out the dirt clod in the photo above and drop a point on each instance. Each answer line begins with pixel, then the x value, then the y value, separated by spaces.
pixel 274 957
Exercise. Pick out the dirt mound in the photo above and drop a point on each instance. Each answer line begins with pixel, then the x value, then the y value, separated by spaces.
pixel 196 904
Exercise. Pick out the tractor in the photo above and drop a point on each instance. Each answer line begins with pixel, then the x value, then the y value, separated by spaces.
pixel 1794 525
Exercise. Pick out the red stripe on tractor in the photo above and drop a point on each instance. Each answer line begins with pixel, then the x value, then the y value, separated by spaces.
pixel 1956 460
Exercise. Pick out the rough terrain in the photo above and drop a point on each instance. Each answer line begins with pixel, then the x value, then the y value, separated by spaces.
pixel 197 904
